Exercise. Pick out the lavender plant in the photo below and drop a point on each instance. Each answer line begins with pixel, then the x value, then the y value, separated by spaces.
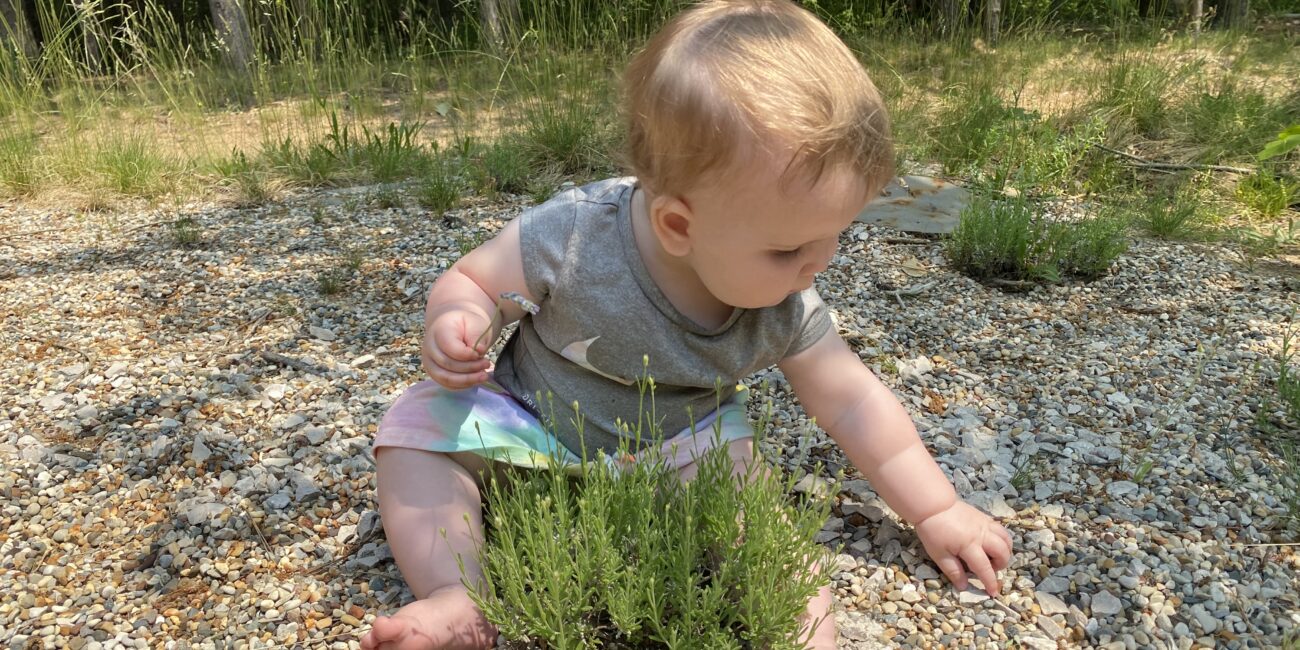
pixel 624 555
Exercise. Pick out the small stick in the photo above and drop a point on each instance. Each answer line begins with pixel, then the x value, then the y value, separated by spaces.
pixel 906 240
pixel 1159 166
pixel 914 290
pixel 296 364
pixel 497 312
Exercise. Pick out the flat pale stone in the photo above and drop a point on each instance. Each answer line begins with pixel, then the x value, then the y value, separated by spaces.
pixel 1050 604
pixel 918 204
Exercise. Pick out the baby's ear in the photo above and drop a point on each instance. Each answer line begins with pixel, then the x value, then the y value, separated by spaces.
pixel 670 217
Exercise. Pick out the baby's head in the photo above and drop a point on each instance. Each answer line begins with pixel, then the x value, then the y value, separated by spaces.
pixel 758 136
pixel 728 80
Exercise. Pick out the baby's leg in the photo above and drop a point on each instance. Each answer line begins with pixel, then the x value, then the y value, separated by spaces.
pixel 422 493
pixel 744 463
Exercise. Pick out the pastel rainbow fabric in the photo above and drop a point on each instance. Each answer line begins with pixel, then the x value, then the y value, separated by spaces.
pixel 488 421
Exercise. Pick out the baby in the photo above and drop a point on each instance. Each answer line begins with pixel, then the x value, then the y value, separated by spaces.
pixel 755 138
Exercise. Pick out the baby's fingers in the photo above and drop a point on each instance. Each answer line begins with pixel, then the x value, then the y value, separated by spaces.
pixel 998 547
pixel 978 562
pixel 952 567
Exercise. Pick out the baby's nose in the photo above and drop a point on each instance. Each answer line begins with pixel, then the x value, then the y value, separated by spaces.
pixel 821 259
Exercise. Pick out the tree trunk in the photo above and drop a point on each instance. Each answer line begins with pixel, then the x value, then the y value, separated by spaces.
pixel 992 21
pixel 498 19
pixel 15 31
pixel 1198 14
pixel 231 24
pixel 1235 13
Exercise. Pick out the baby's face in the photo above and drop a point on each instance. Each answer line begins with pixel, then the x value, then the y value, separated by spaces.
pixel 755 242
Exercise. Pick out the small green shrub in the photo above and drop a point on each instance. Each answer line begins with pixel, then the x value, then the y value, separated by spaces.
pixel 1005 239
pixel 636 559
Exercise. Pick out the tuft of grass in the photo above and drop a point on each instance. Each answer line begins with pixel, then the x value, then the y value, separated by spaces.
pixel 385 156
pixel 331 282
pixel 313 165
pixel 1007 240
pixel 248 177
pixel 385 198
pixel 502 167
pixel 633 558
pixel 573 137
pixel 1133 95
pixel 1267 193
pixel 1183 212
pixel 441 187
pixel 185 232
pixel 130 166
pixel 19 171
pixel 1231 121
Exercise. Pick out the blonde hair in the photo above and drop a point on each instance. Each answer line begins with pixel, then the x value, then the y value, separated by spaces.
pixel 727 75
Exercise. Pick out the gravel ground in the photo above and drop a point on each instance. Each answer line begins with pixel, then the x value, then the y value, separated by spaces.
pixel 185 425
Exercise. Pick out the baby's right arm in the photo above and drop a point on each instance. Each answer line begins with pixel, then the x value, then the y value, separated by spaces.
pixel 460 309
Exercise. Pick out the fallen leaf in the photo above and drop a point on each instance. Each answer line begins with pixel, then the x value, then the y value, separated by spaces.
pixel 913 267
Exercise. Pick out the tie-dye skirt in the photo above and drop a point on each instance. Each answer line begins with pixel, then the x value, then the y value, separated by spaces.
pixel 488 421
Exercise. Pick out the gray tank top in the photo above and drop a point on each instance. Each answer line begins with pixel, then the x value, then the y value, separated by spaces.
pixel 602 316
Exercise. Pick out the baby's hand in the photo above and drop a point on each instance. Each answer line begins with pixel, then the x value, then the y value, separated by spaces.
pixel 453 349
pixel 962 535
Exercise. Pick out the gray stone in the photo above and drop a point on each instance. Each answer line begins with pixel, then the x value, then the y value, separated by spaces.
pixel 1054 585
pixel 1118 489
pixel 1105 603
pixel 322 333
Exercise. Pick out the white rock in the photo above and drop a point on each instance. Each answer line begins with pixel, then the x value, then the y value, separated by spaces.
pixel 971 596
pixel 275 392
pixel 290 421
pixel 53 402
pixel 363 361
pixel 199 513
pixel 1041 537
pixel 1050 628
pixel 914 369
pixel 1117 489
pixel 87 412
pixel 118 368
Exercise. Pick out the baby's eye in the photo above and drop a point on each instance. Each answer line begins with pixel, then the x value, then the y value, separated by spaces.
pixel 786 255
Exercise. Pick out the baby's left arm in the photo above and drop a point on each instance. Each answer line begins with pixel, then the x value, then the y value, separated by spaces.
pixel 877 435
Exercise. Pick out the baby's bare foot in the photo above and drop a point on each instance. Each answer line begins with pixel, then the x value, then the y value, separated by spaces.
pixel 446 619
